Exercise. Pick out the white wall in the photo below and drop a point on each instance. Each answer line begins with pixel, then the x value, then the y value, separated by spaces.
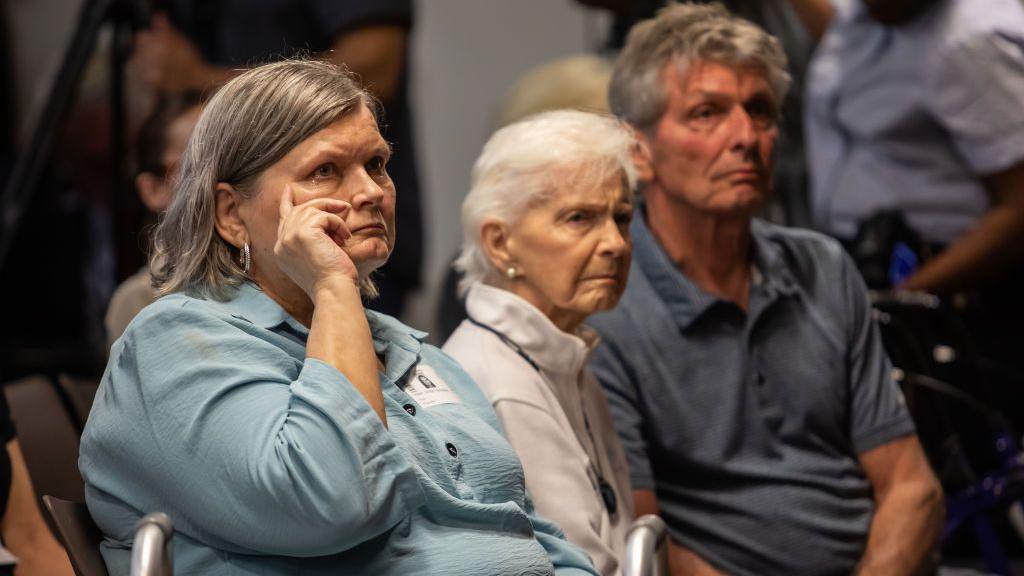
pixel 466 53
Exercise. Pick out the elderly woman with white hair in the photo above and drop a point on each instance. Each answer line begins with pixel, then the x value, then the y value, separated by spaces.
pixel 284 428
pixel 546 244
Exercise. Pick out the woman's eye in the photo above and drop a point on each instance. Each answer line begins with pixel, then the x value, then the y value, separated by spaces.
pixel 323 171
pixel 577 217
pixel 704 115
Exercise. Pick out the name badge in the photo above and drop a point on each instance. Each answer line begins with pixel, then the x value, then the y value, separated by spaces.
pixel 428 389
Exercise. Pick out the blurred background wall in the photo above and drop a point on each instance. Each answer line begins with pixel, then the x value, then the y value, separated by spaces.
pixel 466 54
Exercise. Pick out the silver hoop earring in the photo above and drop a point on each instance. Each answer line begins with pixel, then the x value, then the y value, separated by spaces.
pixel 245 258
pixel 510 272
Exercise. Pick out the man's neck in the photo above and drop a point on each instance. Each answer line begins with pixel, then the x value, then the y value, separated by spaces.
pixel 713 250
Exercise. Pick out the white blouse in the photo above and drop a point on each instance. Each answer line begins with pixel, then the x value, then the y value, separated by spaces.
pixel 535 376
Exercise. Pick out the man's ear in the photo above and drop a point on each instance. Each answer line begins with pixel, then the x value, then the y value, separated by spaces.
pixel 642 157
pixel 228 221
pixel 495 239
pixel 155 194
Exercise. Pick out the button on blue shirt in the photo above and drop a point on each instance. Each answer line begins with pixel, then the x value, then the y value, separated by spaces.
pixel 911 117
pixel 271 463
pixel 748 425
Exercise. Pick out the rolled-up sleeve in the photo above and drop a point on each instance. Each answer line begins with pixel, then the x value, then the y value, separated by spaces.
pixel 878 412
pixel 244 446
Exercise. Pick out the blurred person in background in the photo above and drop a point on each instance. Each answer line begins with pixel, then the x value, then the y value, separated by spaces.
pixel 283 427
pixel 159 145
pixel 546 244
pixel 917 107
pixel 743 367
pixel 578 82
pixel 199 45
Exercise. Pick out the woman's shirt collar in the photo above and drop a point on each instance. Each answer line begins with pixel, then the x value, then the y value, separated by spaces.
pixel 547 345
pixel 399 343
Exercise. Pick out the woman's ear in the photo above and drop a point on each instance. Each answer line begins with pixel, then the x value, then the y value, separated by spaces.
pixel 495 240
pixel 227 220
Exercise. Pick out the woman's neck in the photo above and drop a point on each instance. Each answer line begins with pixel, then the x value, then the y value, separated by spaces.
pixel 713 250
pixel 289 297
pixel 566 320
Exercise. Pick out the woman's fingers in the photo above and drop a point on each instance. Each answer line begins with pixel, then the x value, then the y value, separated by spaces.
pixel 326 214
pixel 327 205
pixel 285 205
pixel 300 247
pixel 335 227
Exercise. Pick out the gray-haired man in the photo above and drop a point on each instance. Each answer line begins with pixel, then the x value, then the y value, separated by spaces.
pixel 743 368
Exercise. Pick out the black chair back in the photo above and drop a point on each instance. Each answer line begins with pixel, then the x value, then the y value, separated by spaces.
pixel 80 535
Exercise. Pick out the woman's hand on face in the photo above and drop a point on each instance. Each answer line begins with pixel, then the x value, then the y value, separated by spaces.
pixel 309 240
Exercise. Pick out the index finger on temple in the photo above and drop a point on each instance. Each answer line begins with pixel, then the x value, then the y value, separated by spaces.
pixel 287 203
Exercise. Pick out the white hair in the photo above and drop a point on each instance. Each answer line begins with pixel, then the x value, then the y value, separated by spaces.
pixel 525 163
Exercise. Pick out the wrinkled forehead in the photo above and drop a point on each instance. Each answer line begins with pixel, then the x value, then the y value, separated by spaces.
pixel 602 182
pixel 703 74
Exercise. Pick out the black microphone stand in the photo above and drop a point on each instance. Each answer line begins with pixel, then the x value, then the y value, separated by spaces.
pixel 124 16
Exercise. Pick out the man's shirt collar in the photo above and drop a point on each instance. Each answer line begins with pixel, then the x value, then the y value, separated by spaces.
pixel 686 300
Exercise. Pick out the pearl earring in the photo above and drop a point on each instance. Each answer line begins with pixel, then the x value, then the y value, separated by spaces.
pixel 510 272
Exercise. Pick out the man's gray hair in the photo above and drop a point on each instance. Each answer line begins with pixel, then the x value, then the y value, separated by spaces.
pixel 530 161
pixel 249 124
pixel 683 34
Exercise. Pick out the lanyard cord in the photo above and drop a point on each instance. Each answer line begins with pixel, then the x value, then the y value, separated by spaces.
pixel 603 487
pixel 508 342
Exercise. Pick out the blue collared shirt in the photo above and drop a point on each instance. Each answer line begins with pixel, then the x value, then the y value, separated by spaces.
pixel 748 425
pixel 911 117
pixel 272 463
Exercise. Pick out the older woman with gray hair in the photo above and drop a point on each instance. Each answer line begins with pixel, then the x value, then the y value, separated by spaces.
pixel 546 244
pixel 284 428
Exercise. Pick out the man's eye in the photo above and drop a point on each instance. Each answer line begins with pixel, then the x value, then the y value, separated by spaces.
pixel 624 218
pixel 703 113
pixel 704 116
pixel 763 113
pixel 376 165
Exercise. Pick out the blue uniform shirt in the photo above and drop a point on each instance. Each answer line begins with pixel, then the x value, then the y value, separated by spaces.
pixel 271 463
pixel 911 117
pixel 748 425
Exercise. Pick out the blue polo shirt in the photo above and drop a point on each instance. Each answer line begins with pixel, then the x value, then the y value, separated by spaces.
pixel 748 425
pixel 272 463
